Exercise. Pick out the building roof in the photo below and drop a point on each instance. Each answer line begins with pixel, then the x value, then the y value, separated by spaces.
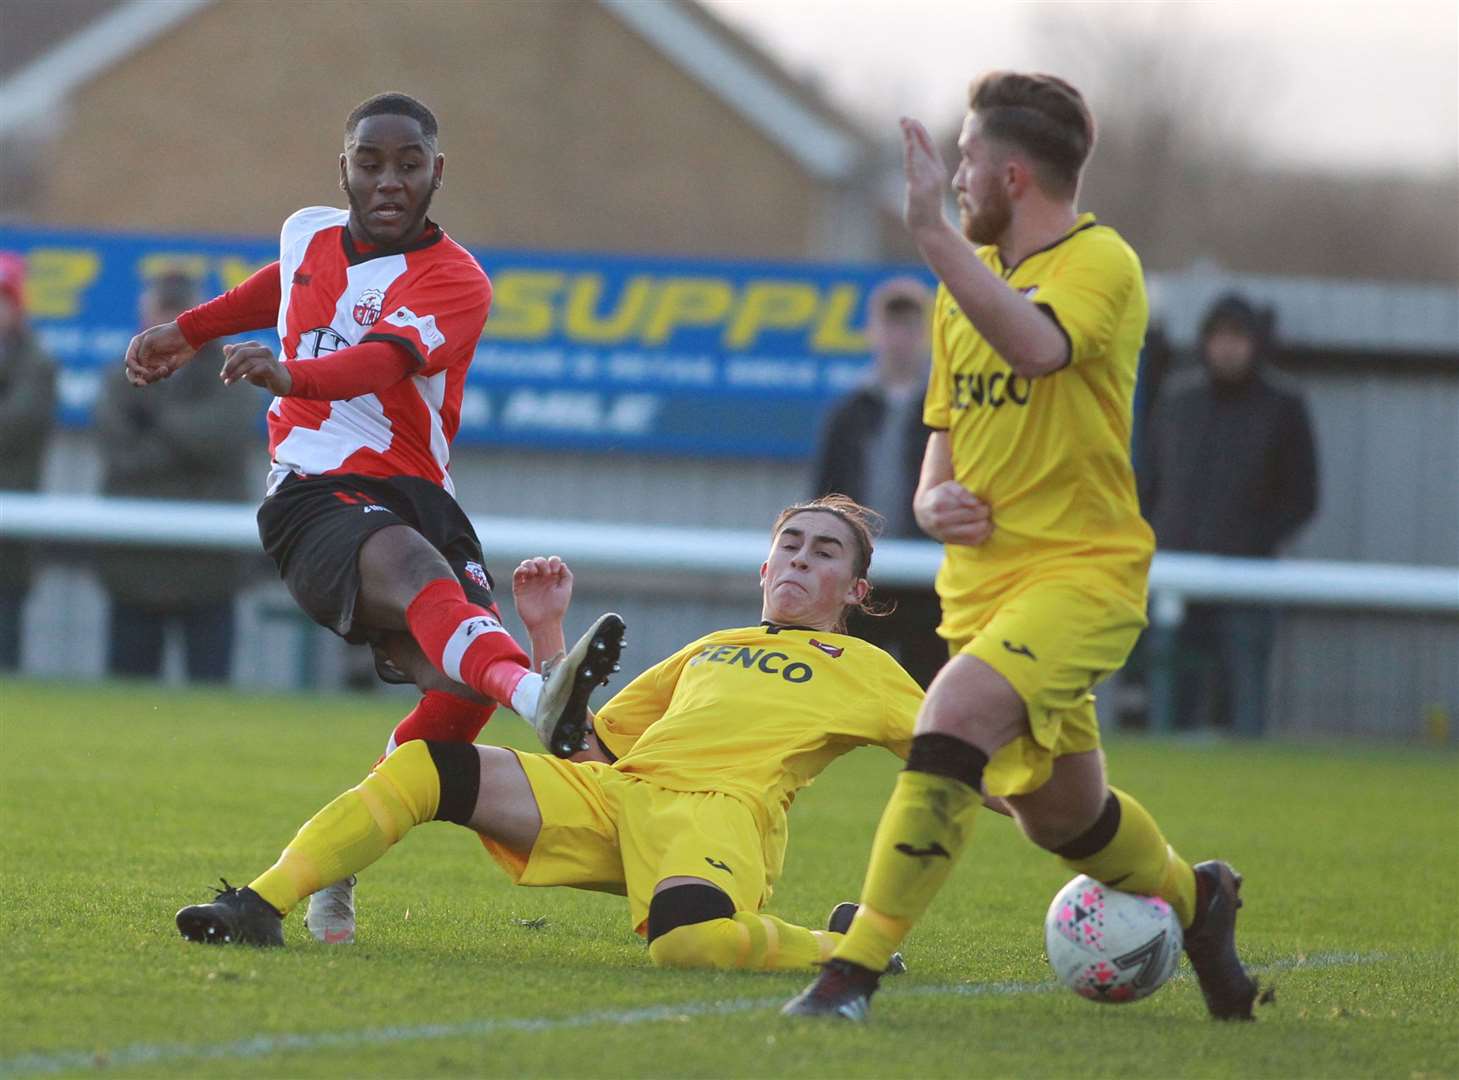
pixel 826 144
pixel 1417 319
pixel 43 64
pixel 51 63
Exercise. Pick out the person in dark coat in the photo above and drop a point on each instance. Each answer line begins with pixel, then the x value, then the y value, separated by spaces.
pixel 187 438
pixel 1231 470
pixel 871 449
pixel 27 414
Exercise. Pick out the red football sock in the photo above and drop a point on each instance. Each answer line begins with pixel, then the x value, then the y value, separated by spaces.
pixel 443 717
pixel 466 642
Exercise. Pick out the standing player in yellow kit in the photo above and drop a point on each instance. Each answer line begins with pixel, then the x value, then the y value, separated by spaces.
pixel 1038 325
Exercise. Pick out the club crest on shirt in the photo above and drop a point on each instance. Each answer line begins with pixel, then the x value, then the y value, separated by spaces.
pixel 832 651
pixel 368 307
pixel 477 573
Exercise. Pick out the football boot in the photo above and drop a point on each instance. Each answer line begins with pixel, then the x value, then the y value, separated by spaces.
pixel 1210 942
pixel 235 916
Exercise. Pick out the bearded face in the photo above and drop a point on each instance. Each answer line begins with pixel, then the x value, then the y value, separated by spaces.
pixel 984 206
pixel 986 214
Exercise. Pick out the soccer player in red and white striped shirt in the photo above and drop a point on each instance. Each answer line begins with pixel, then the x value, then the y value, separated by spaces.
pixel 379 313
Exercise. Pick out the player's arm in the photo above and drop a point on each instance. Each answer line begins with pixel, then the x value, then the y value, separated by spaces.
pixel 541 592
pixel 944 509
pixel 1021 332
pixel 158 351
pixel 367 368
pixel 428 326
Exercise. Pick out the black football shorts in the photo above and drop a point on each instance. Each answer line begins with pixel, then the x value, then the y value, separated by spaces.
pixel 313 527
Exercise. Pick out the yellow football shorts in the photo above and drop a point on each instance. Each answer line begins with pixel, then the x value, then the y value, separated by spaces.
pixel 1054 640
pixel 607 831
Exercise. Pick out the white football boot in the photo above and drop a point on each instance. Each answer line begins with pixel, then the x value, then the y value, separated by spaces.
pixel 561 717
pixel 331 917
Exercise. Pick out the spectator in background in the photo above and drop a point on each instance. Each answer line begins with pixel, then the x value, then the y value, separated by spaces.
pixel 187 438
pixel 1156 359
pixel 1231 471
pixel 871 449
pixel 27 414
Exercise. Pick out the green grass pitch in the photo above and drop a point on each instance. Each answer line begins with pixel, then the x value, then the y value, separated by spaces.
pixel 121 803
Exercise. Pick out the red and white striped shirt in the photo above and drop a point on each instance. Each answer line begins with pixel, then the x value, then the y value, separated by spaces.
pixel 378 343
pixel 430 299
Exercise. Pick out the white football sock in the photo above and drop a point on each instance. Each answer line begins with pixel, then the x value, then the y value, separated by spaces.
pixel 527 695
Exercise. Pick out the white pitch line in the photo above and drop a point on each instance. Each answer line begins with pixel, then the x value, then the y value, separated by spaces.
pixel 258 1046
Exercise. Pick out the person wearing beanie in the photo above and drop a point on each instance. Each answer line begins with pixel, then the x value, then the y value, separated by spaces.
pixel 1231 470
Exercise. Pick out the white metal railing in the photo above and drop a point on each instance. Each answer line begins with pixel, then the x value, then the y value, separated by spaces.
pixel 1175 578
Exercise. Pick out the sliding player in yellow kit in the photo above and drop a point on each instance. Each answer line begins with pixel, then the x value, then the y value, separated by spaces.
pixel 1038 325
pixel 697 762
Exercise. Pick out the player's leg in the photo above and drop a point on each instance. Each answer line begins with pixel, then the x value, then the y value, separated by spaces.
pixel 987 724
pixel 1121 845
pixel 694 870
pixel 352 552
pixel 481 787
pixel 1052 778
pixel 405 583
pixel 446 712
pixel 966 717
pixel 692 923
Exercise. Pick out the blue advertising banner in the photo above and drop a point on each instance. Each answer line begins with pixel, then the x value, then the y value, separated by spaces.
pixel 583 352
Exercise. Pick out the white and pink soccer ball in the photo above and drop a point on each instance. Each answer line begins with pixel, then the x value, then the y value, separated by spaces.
pixel 1111 946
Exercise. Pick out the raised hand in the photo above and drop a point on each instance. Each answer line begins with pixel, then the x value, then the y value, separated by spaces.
pixel 541 590
pixel 256 364
pixel 927 177
pixel 156 353
pixel 951 513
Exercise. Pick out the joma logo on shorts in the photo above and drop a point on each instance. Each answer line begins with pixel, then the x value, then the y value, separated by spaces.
pixel 771 663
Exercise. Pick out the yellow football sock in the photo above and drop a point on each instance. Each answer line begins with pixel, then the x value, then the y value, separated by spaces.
pixel 921 835
pixel 1138 860
pixel 750 941
pixel 356 829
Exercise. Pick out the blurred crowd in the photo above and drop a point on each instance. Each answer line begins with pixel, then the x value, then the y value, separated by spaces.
pixel 1223 447
pixel 187 438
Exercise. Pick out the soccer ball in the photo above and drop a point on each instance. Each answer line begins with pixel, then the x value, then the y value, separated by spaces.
pixel 1108 945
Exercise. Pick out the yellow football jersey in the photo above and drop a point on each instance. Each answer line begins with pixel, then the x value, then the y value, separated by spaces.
pixel 756 713
pixel 1050 456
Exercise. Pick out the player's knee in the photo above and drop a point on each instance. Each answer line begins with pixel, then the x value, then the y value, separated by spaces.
pixel 434 780
pixel 946 755
pixel 687 928
pixel 458 766
pixel 1072 829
